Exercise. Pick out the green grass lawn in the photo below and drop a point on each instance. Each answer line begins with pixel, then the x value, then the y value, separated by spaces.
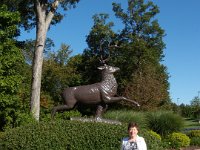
pixel 191 123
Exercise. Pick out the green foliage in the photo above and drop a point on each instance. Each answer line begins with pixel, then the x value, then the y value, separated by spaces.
pixel 154 134
pixel 195 137
pixel 194 133
pixel 72 135
pixel 138 55
pixel 195 104
pixel 11 64
pixel 186 111
pixel 195 141
pixel 164 123
pixel 59 72
pixel 126 116
pixel 178 140
pixel 98 40
pixel 152 140
pixel 64 135
pixel 26 9
pixel 68 114
pixel 1 134
pixel 141 47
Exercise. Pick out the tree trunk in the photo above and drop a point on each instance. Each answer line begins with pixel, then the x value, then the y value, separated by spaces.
pixel 37 62
pixel 43 22
pixel 37 72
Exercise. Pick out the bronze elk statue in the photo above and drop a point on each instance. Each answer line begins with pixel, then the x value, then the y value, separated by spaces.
pixel 98 94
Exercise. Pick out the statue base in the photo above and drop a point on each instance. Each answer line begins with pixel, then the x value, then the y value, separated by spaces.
pixel 96 120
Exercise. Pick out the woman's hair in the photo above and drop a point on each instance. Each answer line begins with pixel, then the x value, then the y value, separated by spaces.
pixel 132 125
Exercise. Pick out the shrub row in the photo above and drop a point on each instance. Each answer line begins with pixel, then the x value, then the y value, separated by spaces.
pixel 195 137
pixel 161 122
pixel 70 135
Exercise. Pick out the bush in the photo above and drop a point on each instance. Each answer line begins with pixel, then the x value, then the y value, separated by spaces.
pixel 152 140
pixel 195 141
pixel 154 134
pixel 194 133
pixel 71 135
pixel 67 114
pixel 178 140
pixel 61 134
pixel 1 134
pixel 164 123
pixel 195 137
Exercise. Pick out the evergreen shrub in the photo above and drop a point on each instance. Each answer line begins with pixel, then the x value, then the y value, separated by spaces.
pixel 70 135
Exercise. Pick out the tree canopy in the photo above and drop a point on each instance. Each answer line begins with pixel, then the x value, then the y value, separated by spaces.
pixel 40 14
pixel 11 61
pixel 137 50
pixel 28 14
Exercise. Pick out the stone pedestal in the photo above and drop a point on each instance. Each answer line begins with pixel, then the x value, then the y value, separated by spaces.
pixel 96 120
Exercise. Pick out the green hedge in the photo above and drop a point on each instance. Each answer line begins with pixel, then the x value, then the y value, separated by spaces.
pixel 70 135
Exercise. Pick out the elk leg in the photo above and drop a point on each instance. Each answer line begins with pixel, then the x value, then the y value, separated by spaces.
pixel 100 110
pixel 108 99
pixel 59 108
pixel 105 108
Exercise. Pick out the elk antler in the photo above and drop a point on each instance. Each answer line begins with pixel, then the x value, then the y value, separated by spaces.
pixel 102 60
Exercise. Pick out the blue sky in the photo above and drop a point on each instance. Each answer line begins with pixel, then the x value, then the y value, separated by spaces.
pixel 179 18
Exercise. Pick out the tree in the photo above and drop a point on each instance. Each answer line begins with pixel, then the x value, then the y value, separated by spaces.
pixel 39 13
pixel 11 62
pixel 186 111
pixel 98 41
pixel 59 72
pixel 138 53
pixel 143 77
pixel 195 104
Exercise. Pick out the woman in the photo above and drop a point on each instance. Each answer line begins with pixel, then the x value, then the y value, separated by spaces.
pixel 133 142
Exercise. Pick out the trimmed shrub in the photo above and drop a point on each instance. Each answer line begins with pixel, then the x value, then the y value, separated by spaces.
pixel 61 134
pixel 164 123
pixel 178 140
pixel 70 135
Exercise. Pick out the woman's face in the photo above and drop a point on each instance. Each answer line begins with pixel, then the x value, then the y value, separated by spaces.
pixel 132 132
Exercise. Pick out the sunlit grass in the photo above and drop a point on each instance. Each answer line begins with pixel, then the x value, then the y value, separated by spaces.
pixel 127 116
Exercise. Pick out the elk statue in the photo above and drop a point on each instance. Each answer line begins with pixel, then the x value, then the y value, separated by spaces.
pixel 97 94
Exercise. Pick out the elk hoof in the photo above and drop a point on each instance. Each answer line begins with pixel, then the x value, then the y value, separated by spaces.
pixel 98 118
